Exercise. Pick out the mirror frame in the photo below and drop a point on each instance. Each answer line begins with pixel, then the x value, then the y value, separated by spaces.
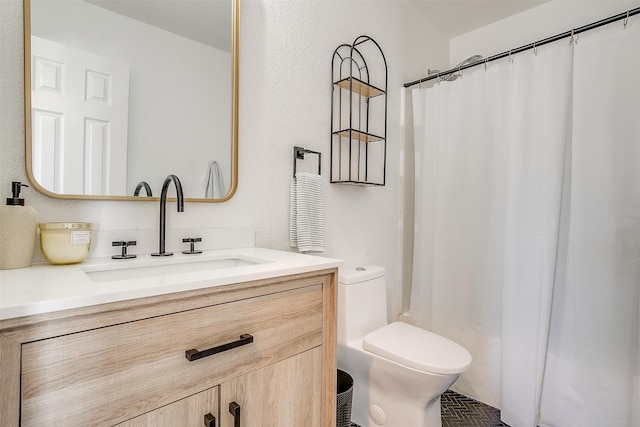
pixel 235 63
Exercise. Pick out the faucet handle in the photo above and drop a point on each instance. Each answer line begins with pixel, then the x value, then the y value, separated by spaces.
pixel 192 245
pixel 125 245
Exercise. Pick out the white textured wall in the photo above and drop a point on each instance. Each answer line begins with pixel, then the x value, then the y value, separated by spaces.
pixel 285 92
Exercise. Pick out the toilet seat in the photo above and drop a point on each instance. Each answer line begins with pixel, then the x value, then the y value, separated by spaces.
pixel 417 348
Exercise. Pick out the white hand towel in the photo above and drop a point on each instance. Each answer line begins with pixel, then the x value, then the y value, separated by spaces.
pixel 306 219
pixel 214 182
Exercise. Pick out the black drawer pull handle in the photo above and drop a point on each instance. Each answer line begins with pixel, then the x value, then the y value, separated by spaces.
pixel 209 420
pixel 194 354
pixel 234 409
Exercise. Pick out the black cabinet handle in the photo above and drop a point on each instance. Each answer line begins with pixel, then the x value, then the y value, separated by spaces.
pixel 234 409
pixel 209 420
pixel 194 354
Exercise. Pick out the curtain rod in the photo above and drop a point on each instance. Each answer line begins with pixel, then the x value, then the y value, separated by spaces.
pixel 570 33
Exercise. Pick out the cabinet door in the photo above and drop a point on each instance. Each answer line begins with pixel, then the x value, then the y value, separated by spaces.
pixel 285 394
pixel 188 412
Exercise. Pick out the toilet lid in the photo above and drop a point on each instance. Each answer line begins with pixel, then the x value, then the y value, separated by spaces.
pixel 418 349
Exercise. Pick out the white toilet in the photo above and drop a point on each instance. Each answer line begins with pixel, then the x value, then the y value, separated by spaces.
pixel 399 370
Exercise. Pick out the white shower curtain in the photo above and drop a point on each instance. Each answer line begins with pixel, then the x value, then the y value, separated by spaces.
pixel 592 373
pixel 527 234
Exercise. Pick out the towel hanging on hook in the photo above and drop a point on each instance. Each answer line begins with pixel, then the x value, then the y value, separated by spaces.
pixel 306 214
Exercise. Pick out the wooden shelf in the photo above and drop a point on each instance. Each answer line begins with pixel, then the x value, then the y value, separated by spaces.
pixel 360 136
pixel 360 87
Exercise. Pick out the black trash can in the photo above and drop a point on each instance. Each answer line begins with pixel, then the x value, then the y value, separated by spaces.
pixel 345 398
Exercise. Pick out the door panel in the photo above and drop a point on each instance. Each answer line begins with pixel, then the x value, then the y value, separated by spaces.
pixel 88 95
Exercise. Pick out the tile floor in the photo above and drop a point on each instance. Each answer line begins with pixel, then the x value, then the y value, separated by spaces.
pixel 462 411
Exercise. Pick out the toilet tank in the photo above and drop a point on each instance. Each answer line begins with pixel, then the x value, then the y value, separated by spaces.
pixel 362 301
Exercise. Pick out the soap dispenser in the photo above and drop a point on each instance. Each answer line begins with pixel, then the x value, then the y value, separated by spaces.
pixel 17 231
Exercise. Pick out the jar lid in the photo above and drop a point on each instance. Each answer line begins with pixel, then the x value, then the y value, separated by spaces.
pixel 64 225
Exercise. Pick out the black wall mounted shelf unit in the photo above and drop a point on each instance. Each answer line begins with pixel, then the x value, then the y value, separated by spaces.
pixel 359 114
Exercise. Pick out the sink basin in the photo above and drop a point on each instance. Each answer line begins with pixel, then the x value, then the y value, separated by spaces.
pixel 162 267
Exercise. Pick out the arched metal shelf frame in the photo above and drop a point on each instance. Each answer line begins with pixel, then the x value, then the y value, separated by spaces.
pixel 358 153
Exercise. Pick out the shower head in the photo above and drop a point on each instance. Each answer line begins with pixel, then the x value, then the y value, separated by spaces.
pixel 469 60
pixel 450 77
pixel 453 76
pixel 446 77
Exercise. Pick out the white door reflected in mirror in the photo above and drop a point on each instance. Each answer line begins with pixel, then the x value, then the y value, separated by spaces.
pixel 79 115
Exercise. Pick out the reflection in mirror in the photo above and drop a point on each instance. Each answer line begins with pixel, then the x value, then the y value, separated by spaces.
pixel 124 92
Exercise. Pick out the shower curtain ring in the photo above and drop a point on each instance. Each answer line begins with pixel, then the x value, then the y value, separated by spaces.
pixel 535 49
pixel 574 39
pixel 625 22
pixel 509 58
pixel 459 71
pixel 485 64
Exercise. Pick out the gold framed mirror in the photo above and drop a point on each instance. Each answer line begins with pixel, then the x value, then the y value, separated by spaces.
pixel 121 93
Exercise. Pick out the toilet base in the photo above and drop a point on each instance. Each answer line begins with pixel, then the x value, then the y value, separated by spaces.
pixel 405 415
pixel 404 401
pixel 391 395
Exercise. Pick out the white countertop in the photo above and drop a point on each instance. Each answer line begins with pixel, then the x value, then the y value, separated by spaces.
pixel 44 288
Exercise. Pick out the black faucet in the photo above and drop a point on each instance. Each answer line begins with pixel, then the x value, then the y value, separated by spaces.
pixel 163 210
pixel 140 186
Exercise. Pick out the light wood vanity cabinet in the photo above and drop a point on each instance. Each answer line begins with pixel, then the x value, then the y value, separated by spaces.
pixel 125 364
pixel 187 412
